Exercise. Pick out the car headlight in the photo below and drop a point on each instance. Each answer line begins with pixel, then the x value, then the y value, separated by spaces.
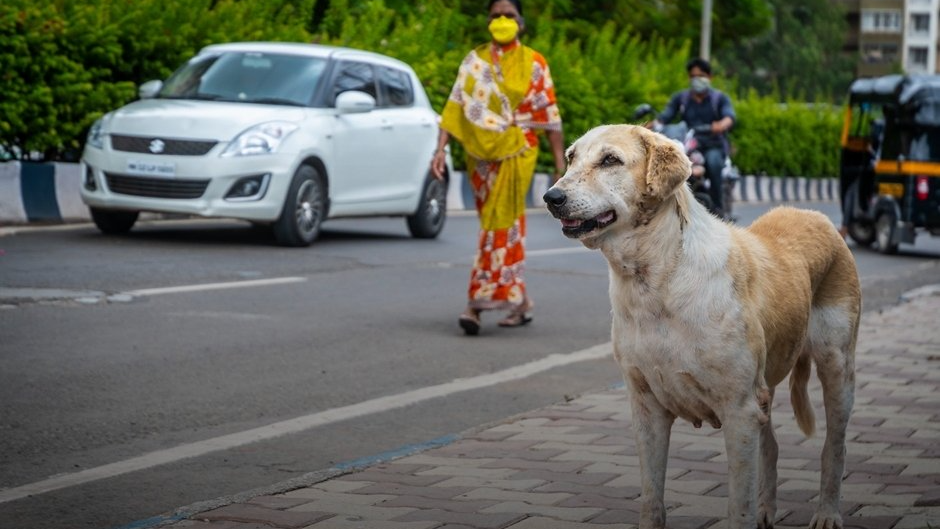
pixel 260 139
pixel 95 137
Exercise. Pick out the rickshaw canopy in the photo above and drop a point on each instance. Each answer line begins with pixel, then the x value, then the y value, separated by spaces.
pixel 916 97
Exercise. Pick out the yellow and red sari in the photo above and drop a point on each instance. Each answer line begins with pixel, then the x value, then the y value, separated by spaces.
pixel 502 95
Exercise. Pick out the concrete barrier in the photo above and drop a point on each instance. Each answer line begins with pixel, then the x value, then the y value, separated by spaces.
pixel 49 192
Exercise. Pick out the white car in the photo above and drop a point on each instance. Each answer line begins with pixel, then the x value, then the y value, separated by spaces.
pixel 277 134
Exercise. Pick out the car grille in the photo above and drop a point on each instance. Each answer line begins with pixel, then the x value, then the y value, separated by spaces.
pixel 170 146
pixel 155 187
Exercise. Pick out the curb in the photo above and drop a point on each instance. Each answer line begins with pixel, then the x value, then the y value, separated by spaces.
pixel 48 193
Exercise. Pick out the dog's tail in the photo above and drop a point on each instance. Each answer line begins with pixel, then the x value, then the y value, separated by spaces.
pixel 799 397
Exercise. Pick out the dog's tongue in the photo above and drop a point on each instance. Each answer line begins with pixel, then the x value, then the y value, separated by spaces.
pixel 570 223
pixel 606 217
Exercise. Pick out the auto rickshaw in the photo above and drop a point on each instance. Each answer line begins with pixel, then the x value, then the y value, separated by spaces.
pixel 890 168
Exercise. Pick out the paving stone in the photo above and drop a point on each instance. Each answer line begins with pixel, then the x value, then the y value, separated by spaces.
pixel 355 522
pixel 507 484
pixel 571 514
pixel 476 520
pixel 455 505
pixel 367 512
pixel 930 499
pixel 245 512
pixel 537 522
pixel 397 489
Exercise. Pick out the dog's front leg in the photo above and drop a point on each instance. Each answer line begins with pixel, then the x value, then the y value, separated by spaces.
pixel 742 440
pixel 651 426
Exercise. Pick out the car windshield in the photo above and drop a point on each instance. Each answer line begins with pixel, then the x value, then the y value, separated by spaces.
pixel 247 77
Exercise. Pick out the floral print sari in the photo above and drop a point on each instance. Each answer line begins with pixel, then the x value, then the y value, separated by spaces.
pixel 502 95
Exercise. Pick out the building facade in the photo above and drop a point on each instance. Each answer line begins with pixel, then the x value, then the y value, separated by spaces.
pixel 893 36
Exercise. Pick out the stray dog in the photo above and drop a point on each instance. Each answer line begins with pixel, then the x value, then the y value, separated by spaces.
pixel 709 318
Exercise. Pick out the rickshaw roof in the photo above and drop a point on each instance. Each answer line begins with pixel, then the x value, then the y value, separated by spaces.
pixel 896 88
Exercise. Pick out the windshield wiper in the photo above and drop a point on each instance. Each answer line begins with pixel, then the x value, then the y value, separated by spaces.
pixel 275 101
pixel 198 97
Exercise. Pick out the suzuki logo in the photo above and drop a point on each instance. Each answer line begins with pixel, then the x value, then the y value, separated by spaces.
pixel 157 146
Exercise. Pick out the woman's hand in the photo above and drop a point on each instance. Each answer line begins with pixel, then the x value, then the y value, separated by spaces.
pixel 439 164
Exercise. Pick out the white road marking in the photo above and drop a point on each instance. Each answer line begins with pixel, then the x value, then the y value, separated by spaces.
pixel 214 286
pixel 306 422
pixel 556 251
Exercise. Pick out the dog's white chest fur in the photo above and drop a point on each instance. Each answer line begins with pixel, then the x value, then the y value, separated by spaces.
pixel 681 336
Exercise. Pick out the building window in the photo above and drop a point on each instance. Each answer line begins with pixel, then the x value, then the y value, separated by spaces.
pixel 918 57
pixel 920 24
pixel 879 53
pixel 881 21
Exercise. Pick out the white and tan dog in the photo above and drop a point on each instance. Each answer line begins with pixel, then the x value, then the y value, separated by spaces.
pixel 709 318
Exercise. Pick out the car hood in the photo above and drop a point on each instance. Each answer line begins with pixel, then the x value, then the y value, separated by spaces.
pixel 198 120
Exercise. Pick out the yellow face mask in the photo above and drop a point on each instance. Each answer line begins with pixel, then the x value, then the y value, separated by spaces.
pixel 504 29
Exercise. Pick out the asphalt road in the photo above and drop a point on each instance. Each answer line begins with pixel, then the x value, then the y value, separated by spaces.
pixel 174 347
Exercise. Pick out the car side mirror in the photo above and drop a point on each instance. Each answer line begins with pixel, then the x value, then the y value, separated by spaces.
pixel 354 102
pixel 149 89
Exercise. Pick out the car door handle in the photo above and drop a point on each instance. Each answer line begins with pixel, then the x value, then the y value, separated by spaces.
pixel 386 125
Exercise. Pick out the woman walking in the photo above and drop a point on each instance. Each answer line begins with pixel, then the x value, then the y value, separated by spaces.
pixel 503 95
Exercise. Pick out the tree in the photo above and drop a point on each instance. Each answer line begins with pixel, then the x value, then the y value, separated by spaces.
pixel 799 57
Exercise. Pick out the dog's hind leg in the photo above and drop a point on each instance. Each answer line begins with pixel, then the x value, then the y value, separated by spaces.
pixel 832 346
pixel 767 484
pixel 652 424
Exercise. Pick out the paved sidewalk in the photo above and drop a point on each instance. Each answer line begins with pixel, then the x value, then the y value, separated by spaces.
pixel 574 465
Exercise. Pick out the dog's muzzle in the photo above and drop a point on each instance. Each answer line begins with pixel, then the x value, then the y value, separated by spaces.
pixel 556 200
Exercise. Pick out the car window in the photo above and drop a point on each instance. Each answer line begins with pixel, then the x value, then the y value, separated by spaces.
pixel 395 87
pixel 354 76
pixel 248 77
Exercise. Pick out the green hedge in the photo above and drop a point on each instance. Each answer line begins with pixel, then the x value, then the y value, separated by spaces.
pixel 67 63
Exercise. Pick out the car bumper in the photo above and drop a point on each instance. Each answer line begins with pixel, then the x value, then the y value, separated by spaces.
pixel 107 168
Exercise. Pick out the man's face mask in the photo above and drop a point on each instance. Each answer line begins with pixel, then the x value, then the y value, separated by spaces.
pixel 504 29
pixel 700 84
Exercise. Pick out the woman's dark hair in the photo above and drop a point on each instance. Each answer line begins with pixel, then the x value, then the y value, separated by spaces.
pixel 700 63
pixel 516 3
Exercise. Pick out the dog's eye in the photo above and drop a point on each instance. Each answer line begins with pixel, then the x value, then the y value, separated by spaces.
pixel 609 160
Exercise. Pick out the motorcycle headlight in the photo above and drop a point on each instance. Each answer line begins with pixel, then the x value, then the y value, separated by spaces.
pixel 260 139
pixel 95 137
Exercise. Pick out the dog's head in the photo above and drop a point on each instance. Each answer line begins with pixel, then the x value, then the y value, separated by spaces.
pixel 618 175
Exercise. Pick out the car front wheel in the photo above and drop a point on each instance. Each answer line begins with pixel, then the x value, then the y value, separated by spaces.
pixel 428 221
pixel 113 222
pixel 304 209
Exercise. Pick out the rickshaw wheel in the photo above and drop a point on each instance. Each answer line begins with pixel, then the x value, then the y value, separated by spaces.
pixel 884 229
pixel 861 231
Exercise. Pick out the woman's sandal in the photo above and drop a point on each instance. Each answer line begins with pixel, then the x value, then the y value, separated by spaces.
pixel 470 322
pixel 515 319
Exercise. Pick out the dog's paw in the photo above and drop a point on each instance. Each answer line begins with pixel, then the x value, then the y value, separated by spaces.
pixel 826 521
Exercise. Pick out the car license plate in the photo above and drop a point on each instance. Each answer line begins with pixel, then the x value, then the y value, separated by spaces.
pixel 892 189
pixel 143 168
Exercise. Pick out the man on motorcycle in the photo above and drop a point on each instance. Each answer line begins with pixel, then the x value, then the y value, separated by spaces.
pixel 702 105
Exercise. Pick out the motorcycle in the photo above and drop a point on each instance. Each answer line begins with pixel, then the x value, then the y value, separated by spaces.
pixel 688 137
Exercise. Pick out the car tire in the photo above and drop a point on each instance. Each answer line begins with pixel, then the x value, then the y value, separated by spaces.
pixel 113 222
pixel 428 221
pixel 305 208
pixel 884 232
pixel 861 231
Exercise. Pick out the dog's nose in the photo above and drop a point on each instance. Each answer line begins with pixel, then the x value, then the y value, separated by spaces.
pixel 555 197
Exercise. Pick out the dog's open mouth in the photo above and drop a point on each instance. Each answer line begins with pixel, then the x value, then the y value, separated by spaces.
pixel 576 227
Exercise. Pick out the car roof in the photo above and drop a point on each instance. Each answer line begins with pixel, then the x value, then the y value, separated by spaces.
pixel 311 50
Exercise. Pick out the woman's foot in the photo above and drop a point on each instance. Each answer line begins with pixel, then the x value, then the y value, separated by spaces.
pixel 469 321
pixel 518 316
pixel 515 319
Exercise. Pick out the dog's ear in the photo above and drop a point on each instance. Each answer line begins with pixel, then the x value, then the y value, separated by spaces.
pixel 667 166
